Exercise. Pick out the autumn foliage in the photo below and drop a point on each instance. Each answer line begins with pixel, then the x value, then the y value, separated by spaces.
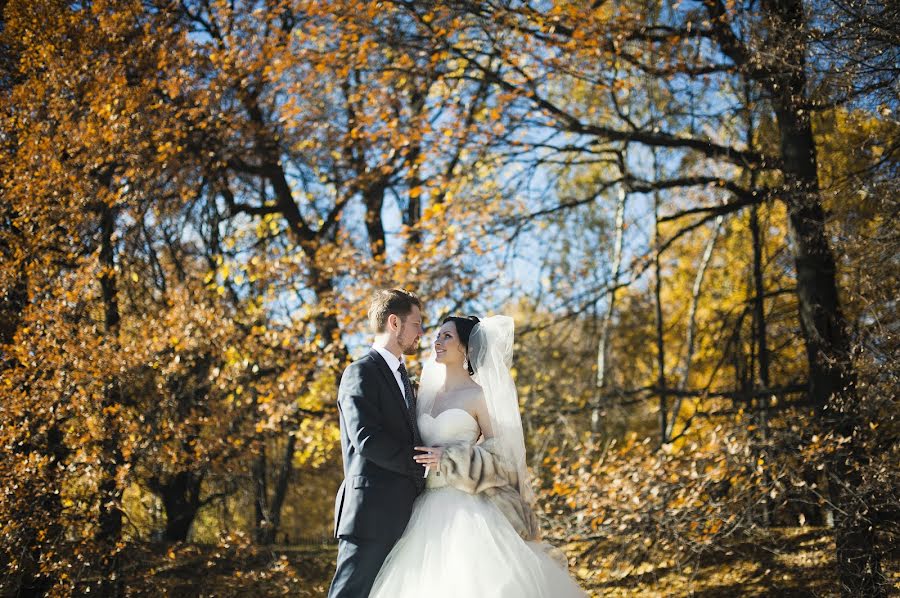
pixel 689 209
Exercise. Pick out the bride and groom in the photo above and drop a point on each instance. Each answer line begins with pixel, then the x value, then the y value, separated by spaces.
pixel 435 499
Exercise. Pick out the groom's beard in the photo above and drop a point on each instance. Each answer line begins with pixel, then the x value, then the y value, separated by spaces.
pixel 411 347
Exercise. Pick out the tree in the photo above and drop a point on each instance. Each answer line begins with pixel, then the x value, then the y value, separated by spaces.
pixel 194 194
pixel 709 52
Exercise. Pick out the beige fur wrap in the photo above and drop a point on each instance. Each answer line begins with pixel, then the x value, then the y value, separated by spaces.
pixel 479 469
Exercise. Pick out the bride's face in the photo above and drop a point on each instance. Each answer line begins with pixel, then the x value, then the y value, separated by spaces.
pixel 447 347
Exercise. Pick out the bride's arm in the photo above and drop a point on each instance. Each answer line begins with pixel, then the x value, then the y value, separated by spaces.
pixel 479 469
pixel 474 468
pixel 483 417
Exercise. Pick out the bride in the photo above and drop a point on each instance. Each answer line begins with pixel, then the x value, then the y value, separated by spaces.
pixel 473 532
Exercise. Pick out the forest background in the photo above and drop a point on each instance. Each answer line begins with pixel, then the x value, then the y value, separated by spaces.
pixel 687 207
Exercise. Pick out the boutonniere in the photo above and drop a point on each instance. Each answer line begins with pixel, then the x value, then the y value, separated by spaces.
pixel 414 382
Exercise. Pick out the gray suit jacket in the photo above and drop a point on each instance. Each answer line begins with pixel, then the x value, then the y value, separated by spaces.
pixel 375 499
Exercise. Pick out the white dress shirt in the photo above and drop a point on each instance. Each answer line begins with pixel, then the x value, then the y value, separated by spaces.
pixel 394 363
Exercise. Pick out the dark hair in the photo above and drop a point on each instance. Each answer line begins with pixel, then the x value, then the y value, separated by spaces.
pixel 390 301
pixel 464 326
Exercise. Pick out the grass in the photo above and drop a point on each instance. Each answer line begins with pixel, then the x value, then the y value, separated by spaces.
pixel 197 571
pixel 789 562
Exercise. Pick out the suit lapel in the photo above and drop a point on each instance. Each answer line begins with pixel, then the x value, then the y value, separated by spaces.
pixel 392 384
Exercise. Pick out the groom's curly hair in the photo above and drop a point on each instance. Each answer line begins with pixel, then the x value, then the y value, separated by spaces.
pixel 390 301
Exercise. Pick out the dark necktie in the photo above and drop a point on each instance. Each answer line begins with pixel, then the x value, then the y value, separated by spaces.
pixel 410 402
pixel 407 387
pixel 411 414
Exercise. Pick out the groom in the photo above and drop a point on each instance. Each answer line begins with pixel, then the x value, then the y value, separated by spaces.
pixel 378 432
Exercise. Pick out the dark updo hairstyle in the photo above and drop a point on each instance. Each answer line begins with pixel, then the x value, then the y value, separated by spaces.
pixel 464 326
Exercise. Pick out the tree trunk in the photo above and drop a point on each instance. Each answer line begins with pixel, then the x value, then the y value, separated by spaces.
pixel 12 303
pixel 762 349
pixel 109 527
pixel 180 495
pixel 373 198
pixel 414 206
pixel 603 345
pixel 31 582
pixel 690 341
pixel 261 519
pixel 660 339
pixel 281 486
pixel 109 520
pixel 832 389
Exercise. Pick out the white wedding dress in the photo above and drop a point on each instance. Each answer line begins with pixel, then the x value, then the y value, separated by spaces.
pixel 459 545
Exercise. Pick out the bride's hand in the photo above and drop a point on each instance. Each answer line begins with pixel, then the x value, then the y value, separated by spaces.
pixel 431 456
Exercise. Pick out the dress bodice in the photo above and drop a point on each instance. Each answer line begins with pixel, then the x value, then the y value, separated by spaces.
pixel 449 426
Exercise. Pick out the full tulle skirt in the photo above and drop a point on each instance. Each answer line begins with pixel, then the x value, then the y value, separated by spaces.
pixel 459 545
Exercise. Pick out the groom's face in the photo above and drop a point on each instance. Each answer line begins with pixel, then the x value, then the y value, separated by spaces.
pixel 410 332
